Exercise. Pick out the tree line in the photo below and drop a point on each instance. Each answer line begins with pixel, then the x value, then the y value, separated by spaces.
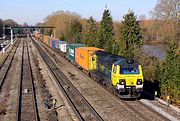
pixel 74 29
pixel 127 38
pixel 6 23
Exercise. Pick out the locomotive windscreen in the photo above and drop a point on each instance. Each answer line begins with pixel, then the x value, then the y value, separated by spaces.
pixel 129 70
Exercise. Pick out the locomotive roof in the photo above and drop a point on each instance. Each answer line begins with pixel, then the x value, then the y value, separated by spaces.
pixel 103 53
pixel 126 62
pixel 90 48
pixel 74 44
pixel 116 59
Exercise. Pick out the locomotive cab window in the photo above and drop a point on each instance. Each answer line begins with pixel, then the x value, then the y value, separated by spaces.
pixel 129 70
pixel 115 68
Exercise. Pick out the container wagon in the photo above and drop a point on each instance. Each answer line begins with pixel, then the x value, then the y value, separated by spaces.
pixel 83 57
pixel 70 51
pixel 45 40
pixel 62 47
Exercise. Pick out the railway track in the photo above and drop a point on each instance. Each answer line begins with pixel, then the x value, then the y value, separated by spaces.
pixel 1 64
pixel 27 106
pixel 6 64
pixel 81 106
pixel 144 112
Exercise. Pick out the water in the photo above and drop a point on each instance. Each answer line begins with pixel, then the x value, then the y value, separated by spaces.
pixel 154 50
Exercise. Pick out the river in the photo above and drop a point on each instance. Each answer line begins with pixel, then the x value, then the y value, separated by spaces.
pixel 154 50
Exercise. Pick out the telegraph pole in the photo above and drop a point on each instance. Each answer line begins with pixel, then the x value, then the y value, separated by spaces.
pixel 3 38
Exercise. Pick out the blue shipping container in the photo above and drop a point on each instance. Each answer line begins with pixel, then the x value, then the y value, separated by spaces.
pixel 56 43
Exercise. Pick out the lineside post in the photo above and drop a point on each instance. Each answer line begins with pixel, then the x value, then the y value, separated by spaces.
pixel 11 36
pixel 3 50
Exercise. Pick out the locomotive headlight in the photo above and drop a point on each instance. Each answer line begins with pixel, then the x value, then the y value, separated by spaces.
pixel 122 82
pixel 139 82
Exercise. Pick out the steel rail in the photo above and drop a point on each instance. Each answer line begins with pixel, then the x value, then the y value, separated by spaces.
pixel 65 86
pixel 9 65
pixel 34 101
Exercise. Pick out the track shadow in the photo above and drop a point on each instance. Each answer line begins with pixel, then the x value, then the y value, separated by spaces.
pixel 149 90
pixel 129 99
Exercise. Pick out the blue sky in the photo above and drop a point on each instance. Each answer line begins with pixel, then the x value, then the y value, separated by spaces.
pixel 33 11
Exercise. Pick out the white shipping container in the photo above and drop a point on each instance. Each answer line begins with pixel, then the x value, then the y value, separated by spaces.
pixel 63 47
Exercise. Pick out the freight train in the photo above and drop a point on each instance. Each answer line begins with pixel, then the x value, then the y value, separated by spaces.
pixel 124 76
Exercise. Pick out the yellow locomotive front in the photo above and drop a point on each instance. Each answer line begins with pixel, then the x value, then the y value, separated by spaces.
pixel 127 78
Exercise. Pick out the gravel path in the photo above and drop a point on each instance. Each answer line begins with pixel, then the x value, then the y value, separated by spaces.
pixel 50 90
pixel 8 95
pixel 163 109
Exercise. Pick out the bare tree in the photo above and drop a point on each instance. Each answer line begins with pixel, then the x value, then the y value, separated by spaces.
pixel 167 9
pixel 10 22
pixel 61 20
pixel 25 24
pixel 167 15
pixel 39 24
pixel 142 17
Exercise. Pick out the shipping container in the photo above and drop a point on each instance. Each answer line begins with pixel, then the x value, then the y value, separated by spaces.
pixel 45 40
pixel 83 56
pixel 70 51
pixel 51 40
pixel 63 42
pixel 63 47
pixel 39 37
pixel 45 37
pixel 56 43
pixel 36 33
